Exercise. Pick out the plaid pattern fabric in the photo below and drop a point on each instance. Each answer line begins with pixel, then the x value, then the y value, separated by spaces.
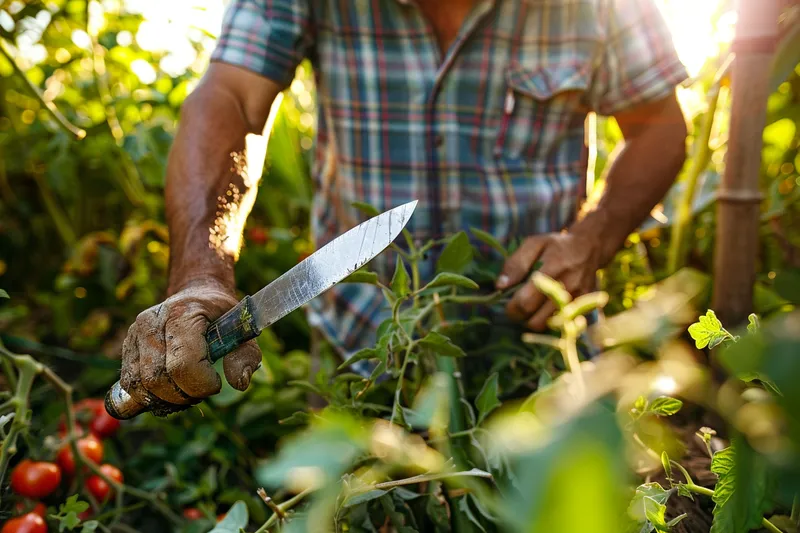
pixel 489 134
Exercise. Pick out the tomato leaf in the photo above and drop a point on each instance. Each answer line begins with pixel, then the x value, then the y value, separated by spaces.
pixel 401 283
pixel 490 240
pixel 487 400
pixel 653 491
pixel 235 519
pixel 707 331
pixel 362 276
pixel 90 526
pixel 4 294
pixel 665 406
pixel 441 345
pixel 456 256
pixel 741 491
pixel 365 208
pixel 753 325
pixel 68 513
pixel 448 279
pixel 364 497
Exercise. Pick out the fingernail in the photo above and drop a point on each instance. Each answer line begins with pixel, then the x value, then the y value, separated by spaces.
pixel 502 282
pixel 244 381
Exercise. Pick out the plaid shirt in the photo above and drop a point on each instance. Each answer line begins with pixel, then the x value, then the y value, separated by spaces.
pixel 489 134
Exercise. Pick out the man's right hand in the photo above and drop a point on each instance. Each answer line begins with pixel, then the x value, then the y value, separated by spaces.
pixel 165 362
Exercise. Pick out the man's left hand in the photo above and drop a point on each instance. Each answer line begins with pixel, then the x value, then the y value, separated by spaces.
pixel 566 257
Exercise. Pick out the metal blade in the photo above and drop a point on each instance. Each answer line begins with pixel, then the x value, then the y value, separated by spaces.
pixel 329 265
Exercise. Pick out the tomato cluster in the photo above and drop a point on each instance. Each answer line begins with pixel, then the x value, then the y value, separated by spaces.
pixel 38 479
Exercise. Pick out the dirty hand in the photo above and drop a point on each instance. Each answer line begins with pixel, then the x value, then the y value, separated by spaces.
pixel 569 258
pixel 164 356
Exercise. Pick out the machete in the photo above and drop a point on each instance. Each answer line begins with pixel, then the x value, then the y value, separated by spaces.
pixel 305 281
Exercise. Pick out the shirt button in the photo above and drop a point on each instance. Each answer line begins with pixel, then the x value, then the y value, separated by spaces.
pixel 438 140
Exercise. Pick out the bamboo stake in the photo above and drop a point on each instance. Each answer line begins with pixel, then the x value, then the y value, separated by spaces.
pixel 739 197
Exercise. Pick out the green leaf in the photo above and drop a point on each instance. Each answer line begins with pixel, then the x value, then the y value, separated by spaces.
pixel 431 405
pixel 545 379
pixel 90 526
pixel 235 519
pixel 401 283
pixel 365 208
pixel 463 506
pixel 68 513
pixel 441 345
pixel 4 294
pixel 364 497
pixel 752 326
pixel 448 279
pixel 489 239
pixel 740 495
pixel 456 256
pixel 362 276
pixel 785 58
pixel 487 400
pixel 323 452
pixel 299 418
pixel 667 466
pixel 655 513
pixel 706 330
pixel 665 406
pixel 653 491
pixel 640 405
pixel 361 355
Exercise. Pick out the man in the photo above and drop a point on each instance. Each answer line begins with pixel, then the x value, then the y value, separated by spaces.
pixel 474 107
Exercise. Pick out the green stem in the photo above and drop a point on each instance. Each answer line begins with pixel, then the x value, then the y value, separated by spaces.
pixel 285 506
pixel 27 373
pixel 796 510
pixel 701 157
pixel 769 526
pixel 60 219
pixel 60 119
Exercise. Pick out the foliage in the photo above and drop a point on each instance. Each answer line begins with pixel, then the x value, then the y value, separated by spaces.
pixel 465 424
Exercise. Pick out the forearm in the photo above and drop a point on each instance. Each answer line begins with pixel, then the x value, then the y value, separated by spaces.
pixel 639 178
pixel 207 198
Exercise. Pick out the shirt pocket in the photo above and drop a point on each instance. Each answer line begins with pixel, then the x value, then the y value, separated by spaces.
pixel 541 107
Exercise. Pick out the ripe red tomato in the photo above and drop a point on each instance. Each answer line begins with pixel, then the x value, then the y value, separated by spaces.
pixel 85 515
pixel 90 446
pixel 97 485
pixel 104 425
pixel 35 479
pixel 258 235
pixel 29 523
pixel 39 508
pixel 192 513
pixel 62 429
pixel 93 405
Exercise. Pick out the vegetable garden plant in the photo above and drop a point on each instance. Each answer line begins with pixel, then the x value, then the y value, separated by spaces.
pixel 468 424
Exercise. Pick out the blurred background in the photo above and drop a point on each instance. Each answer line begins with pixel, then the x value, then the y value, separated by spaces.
pixel 90 95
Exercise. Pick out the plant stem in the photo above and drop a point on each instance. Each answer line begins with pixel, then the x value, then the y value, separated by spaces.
pixel 701 157
pixel 796 510
pixel 285 506
pixel 60 119
pixel 769 526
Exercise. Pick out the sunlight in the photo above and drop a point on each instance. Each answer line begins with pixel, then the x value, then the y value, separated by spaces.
pixel 696 35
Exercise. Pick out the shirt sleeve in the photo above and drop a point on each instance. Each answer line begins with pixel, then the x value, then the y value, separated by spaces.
pixel 638 62
pixel 268 37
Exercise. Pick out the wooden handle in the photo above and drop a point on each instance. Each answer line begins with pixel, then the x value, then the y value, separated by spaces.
pixel 223 336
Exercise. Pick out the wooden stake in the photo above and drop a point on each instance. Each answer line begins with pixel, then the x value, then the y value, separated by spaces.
pixel 739 197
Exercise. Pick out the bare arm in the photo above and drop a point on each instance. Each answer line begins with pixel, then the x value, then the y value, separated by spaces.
pixel 654 152
pixel 165 362
pixel 643 172
pixel 228 104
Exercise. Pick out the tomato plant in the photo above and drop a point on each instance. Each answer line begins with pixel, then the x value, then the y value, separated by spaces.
pixel 35 479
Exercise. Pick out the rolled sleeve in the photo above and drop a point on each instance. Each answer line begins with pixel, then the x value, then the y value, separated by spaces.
pixel 268 37
pixel 638 62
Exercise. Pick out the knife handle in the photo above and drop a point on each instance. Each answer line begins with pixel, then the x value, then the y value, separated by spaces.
pixel 224 335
